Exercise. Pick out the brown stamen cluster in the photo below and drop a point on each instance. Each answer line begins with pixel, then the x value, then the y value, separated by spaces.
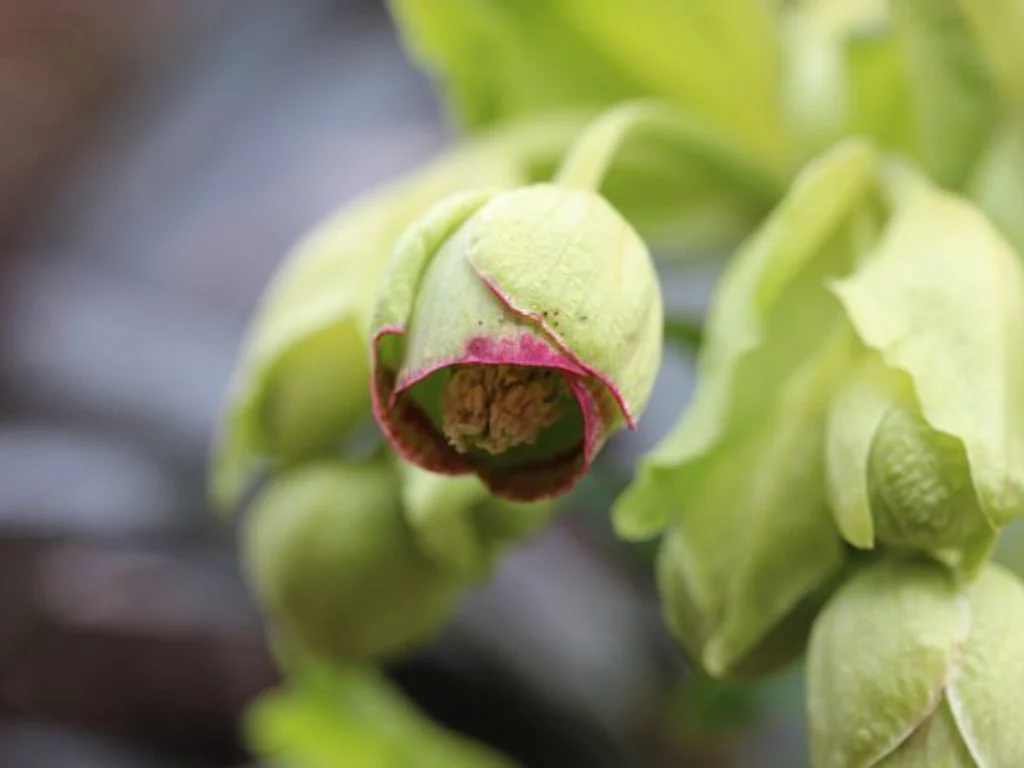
pixel 496 407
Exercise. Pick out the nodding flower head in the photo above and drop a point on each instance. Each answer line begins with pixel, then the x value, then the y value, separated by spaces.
pixel 514 333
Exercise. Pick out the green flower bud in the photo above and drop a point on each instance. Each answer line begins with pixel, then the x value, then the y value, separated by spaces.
pixel 338 568
pixel 916 490
pixel 515 332
pixel 909 668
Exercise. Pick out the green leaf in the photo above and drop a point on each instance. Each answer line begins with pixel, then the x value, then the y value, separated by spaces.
pixel 508 58
pixel 942 300
pixel 998 183
pixel 337 717
pixel 741 478
pixel 845 75
pixel 721 61
pixel 881 102
pixel 953 98
pixel 498 61
pixel 998 26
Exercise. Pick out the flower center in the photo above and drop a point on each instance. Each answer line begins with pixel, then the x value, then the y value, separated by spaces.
pixel 496 407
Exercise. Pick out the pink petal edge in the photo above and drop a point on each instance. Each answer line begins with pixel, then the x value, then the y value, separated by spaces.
pixel 492 284
pixel 449 462
pixel 527 350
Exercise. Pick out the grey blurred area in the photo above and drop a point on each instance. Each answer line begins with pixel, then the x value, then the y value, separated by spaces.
pixel 157 161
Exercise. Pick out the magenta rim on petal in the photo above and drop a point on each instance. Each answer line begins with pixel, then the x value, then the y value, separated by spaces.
pixel 415 439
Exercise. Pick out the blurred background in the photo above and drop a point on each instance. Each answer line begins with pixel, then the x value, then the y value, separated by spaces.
pixel 156 161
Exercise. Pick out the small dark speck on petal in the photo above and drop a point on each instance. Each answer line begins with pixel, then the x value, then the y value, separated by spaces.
pixel 583 318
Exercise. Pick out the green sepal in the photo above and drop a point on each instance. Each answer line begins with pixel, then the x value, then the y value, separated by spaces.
pixel 741 478
pixel 566 259
pixel 942 300
pixel 782 264
pixel 910 667
pixel 881 655
pixel 894 478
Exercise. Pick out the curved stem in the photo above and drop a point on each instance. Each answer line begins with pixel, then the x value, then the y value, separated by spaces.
pixel 590 158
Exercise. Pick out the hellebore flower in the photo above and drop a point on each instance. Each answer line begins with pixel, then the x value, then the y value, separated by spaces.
pixel 909 667
pixel 356 561
pixel 515 331
pixel 926 441
pixel 739 483
pixel 301 385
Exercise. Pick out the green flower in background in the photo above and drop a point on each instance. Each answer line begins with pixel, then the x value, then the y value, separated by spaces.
pixel 926 444
pixel 740 481
pixel 353 564
pixel 865 357
pixel 909 669
pixel 514 333
pixel 336 566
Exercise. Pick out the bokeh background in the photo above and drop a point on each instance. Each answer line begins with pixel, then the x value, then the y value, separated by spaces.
pixel 156 161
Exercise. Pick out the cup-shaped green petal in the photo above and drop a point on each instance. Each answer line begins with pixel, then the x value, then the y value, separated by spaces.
pixel 337 567
pixel 515 331
pixel 910 668
pixel 941 301
pixel 896 479
pixel 920 484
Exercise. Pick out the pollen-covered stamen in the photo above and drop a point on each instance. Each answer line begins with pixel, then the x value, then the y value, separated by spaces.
pixel 496 407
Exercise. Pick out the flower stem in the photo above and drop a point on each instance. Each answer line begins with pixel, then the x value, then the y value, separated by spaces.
pixel 668 129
